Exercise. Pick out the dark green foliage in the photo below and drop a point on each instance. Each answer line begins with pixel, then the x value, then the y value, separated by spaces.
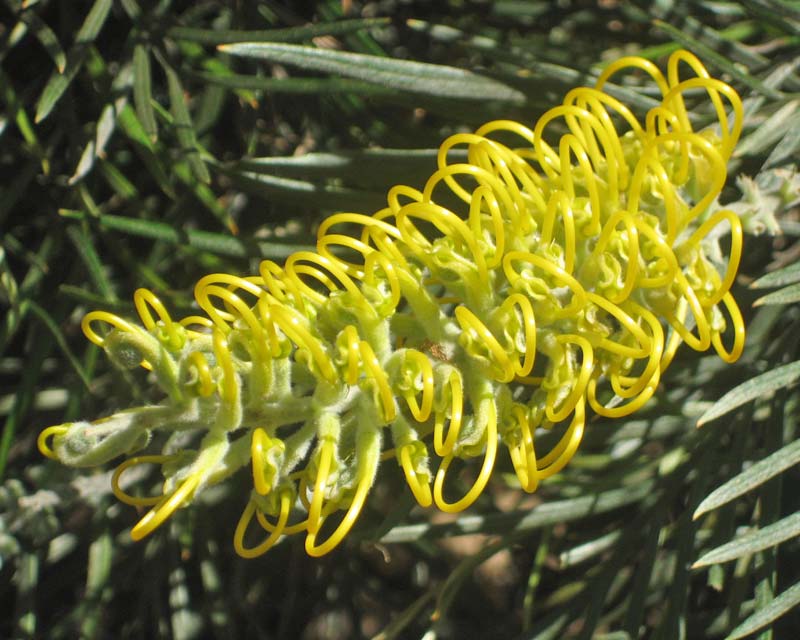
pixel 135 153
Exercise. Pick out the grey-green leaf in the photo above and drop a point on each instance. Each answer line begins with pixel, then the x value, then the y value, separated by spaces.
pixel 781 605
pixel 786 148
pixel 58 82
pixel 415 77
pixel 787 295
pixel 751 478
pixel 220 36
pixel 749 543
pixel 778 278
pixel 142 93
pixel 753 388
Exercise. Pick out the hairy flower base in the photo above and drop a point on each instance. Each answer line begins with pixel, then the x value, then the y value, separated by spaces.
pixel 568 277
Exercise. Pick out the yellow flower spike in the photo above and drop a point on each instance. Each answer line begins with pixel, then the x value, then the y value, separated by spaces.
pixel 127 498
pixel 572 265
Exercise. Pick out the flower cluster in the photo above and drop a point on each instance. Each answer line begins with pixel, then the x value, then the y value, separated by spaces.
pixel 505 298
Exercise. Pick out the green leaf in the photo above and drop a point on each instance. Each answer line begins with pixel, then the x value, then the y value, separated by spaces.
pixel 44 34
pixel 778 278
pixel 543 515
pixel 749 543
pixel 787 295
pixel 313 86
pixel 781 605
pixel 58 82
pixel 202 240
pixel 751 478
pixel 91 260
pixel 183 124
pixel 142 95
pixel 221 36
pixel 753 388
pixel 54 328
pixel 405 75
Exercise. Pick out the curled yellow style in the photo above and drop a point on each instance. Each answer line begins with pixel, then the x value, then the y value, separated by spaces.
pixel 562 282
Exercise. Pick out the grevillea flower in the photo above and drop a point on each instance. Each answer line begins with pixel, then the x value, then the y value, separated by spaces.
pixel 563 283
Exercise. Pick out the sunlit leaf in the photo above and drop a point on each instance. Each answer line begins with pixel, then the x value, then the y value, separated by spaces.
pixel 755 387
pixel 405 75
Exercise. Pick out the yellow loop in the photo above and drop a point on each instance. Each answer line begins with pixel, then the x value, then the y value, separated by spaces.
pixel 645 344
pixel 229 384
pixel 127 498
pixel 578 293
pixel 353 511
pixel 421 491
pixel 41 441
pixel 323 471
pixel 559 201
pixel 421 412
pixel 109 318
pixel 562 453
pixel 274 536
pixel 259 445
pixel 523 457
pixel 293 271
pixel 352 340
pixel 651 373
pixel 143 299
pixel 738 332
pixel 483 476
pixel 503 369
pixel 288 530
pixel 205 383
pixel 373 367
pixel 388 269
pixel 484 195
pixel 735 254
pixel 116 322
pixel 529 325
pixel 624 409
pixel 200 321
pixel 443 445
pixel 165 508
pixel 292 324
pixel 579 387
pixel 637 63
pixel 632 258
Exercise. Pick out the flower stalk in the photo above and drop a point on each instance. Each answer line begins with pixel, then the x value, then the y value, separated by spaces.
pixel 564 283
